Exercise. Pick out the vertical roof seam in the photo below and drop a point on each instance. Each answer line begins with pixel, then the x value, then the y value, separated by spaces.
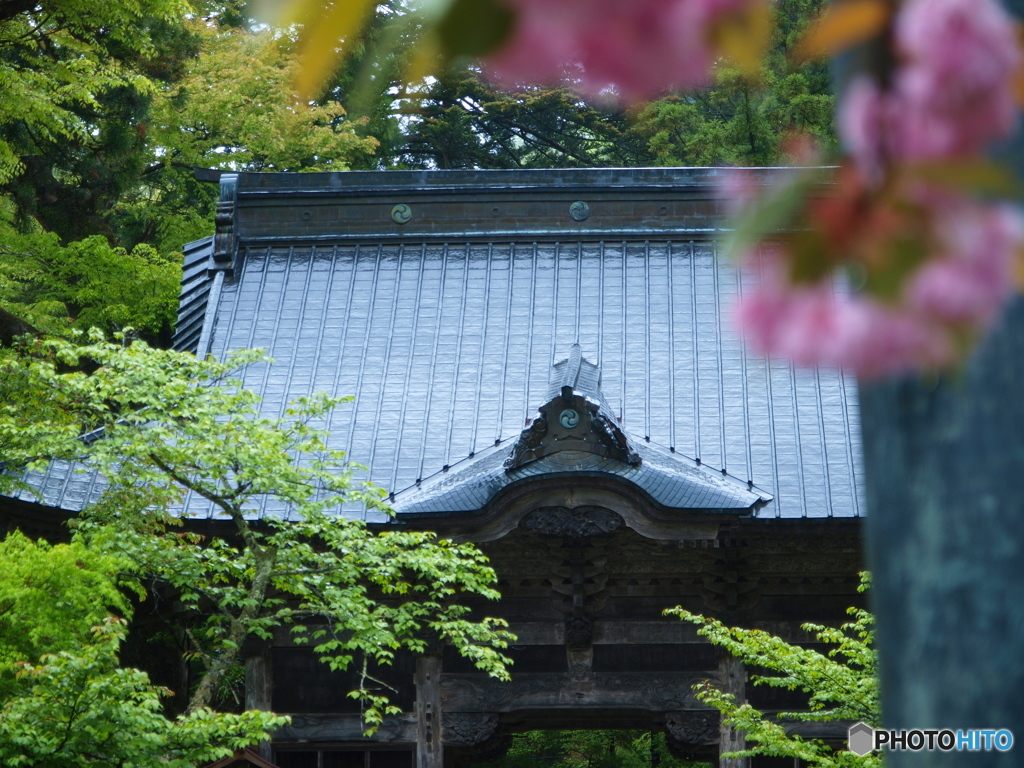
pixel 298 324
pixel 821 438
pixel 458 359
pixel 94 481
pixel 554 305
pixel 671 348
pixel 647 336
pixel 851 464
pixel 438 314
pixel 505 345
pixel 847 436
pixel 483 345
pixel 327 301
pixel 579 287
pixel 718 357
pixel 338 366
pixel 777 503
pixel 798 442
pixel 277 319
pixel 771 431
pixel 366 342
pixel 744 384
pixel 529 330
pixel 260 291
pixel 296 334
pixel 696 352
pixel 622 337
pixel 404 408
pixel 64 481
pixel 600 303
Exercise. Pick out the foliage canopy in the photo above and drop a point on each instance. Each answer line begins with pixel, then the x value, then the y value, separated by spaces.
pixel 173 425
pixel 81 710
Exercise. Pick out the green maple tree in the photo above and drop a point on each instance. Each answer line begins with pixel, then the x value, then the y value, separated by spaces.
pixel 174 425
pixel 841 685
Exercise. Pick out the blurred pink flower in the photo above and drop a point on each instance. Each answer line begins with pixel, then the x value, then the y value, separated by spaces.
pixel 959 61
pixel 949 96
pixel 865 127
pixel 952 91
pixel 638 47
pixel 959 291
pixel 815 325
pixel 968 282
pixel 737 188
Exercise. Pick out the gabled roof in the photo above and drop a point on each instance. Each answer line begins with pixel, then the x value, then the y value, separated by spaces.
pixel 575 435
pixel 442 301
pixel 195 294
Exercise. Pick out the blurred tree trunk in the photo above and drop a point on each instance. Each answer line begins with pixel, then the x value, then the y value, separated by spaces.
pixel 945 539
pixel 945 536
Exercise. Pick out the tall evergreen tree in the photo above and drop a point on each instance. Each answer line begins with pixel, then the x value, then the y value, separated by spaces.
pixel 457 119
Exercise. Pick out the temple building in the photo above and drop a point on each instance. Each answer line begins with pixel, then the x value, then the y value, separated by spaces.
pixel 542 363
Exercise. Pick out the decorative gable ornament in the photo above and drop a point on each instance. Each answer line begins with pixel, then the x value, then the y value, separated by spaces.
pixel 574 419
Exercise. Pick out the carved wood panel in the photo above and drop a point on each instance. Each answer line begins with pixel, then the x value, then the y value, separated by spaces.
pixel 576 690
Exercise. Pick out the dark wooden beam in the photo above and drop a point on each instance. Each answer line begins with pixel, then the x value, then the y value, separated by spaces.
pixel 733 676
pixel 259 685
pixel 429 739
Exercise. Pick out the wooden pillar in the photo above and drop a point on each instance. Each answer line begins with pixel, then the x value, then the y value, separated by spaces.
pixel 429 746
pixel 734 680
pixel 259 684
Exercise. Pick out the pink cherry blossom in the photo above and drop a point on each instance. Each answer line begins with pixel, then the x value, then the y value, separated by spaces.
pixel 971 278
pixel 865 126
pixel 638 48
pixel 958 291
pixel 951 94
pixel 736 189
pixel 959 61
pixel 817 325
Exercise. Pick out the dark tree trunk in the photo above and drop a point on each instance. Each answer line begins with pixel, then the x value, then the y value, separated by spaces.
pixel 945 539
pixel 12 326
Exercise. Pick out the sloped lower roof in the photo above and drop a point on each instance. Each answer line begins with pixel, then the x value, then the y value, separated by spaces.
pixel 446 328
pixel 669 481
pixel 195 294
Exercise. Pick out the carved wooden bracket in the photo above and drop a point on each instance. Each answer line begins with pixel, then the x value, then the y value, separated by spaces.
pixel 466 729
pixel 572 523
pixel 224 222
pixel 693 728
pixel 579 632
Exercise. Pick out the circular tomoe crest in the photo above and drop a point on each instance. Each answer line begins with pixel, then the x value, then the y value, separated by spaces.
pixel 579 211
pixel 401 214
pixel 569 418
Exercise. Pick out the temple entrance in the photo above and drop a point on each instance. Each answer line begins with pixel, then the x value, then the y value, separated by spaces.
pixel 594 652
pixel 590 748
pixel 567 396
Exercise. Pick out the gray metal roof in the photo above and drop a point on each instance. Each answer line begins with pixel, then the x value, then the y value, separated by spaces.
pixel 671 481
pixel 445 329
pixel 195 293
